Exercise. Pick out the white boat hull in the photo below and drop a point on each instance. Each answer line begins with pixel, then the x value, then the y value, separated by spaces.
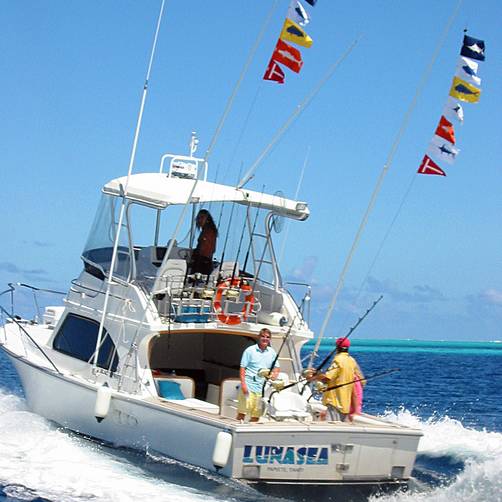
pixel 271 452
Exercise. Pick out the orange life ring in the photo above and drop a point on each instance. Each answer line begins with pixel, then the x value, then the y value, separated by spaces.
pixel 235 318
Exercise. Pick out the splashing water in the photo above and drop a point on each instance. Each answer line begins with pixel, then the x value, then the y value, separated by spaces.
pixel 444 438
pixel 40 461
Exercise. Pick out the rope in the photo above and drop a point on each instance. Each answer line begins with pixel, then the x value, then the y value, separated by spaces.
pixel 386 236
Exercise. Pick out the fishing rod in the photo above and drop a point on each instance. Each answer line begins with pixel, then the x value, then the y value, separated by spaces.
pixel 228 230
pixel 277 357
pixel 280 349
pixel 366 379
pixel 242 237
pixel 238 250
pixel 226 238
pixel 333 351
pixel 351 330
pixel 252 233
pixel 278 353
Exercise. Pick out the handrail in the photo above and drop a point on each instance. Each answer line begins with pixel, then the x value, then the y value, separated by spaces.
pixel 11 289
pixel 34 290
pixel 39 289
pixel 13 319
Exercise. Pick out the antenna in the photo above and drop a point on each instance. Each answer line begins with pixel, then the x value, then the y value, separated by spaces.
pixel 194 143
pixel 124 189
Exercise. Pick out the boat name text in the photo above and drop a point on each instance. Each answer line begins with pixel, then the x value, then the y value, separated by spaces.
pixel 285 455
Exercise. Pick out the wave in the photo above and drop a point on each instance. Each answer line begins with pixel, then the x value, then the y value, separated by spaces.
pixel 479 452
pixel 40 461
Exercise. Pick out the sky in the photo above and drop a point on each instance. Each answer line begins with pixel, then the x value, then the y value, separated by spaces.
pixel 73 74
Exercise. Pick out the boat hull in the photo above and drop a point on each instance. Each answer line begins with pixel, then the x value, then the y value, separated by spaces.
pixel 279 453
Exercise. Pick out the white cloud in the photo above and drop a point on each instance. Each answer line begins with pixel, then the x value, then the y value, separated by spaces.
pixel 493 296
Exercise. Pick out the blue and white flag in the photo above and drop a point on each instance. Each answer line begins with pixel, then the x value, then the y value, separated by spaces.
pixel 297 13
pixel 441 149
pixel 467 70
pixel 473 48
pixel 453 110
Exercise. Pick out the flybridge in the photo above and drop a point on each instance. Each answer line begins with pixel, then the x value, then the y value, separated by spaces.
pixel 184 181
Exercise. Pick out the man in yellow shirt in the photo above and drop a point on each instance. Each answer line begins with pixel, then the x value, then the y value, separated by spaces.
pixel 341 374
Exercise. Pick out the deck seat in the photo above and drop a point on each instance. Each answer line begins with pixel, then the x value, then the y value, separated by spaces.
pixel 182 387
pixel 170 278
pixel 229 391
pixel 287 404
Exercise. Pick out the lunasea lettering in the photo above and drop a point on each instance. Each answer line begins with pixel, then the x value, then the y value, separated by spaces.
pixel 285 455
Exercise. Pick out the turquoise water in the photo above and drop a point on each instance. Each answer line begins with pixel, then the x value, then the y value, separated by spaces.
pixel 437 347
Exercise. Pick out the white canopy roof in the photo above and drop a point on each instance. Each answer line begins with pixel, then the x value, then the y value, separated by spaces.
pixel 159 190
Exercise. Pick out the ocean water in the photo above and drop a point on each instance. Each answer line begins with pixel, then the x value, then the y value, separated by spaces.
pixel 452 391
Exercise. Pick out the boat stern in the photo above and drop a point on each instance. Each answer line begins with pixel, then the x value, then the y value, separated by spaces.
pixel 330 454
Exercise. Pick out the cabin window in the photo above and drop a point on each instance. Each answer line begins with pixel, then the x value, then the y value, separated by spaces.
pixel 77 338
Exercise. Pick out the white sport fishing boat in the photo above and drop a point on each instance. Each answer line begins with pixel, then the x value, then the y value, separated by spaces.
pixel 163 371
pixel 145 351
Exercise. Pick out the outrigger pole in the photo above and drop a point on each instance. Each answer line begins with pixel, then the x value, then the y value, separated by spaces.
pixel 250 172
pixel 383 173
pixel 124 188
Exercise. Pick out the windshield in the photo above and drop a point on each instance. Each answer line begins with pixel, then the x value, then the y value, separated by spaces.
pixel 98 249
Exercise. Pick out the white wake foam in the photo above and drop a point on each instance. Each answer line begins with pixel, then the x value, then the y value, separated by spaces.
pixel 481 451
pixel 36 459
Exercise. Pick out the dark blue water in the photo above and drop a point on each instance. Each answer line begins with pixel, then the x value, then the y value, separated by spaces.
pixel 452 391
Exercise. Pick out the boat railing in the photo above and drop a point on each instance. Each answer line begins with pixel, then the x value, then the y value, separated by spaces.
pixel 10 290
pixel 197 299
pixel 26 337
pixel 35 291
pixel 304 306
